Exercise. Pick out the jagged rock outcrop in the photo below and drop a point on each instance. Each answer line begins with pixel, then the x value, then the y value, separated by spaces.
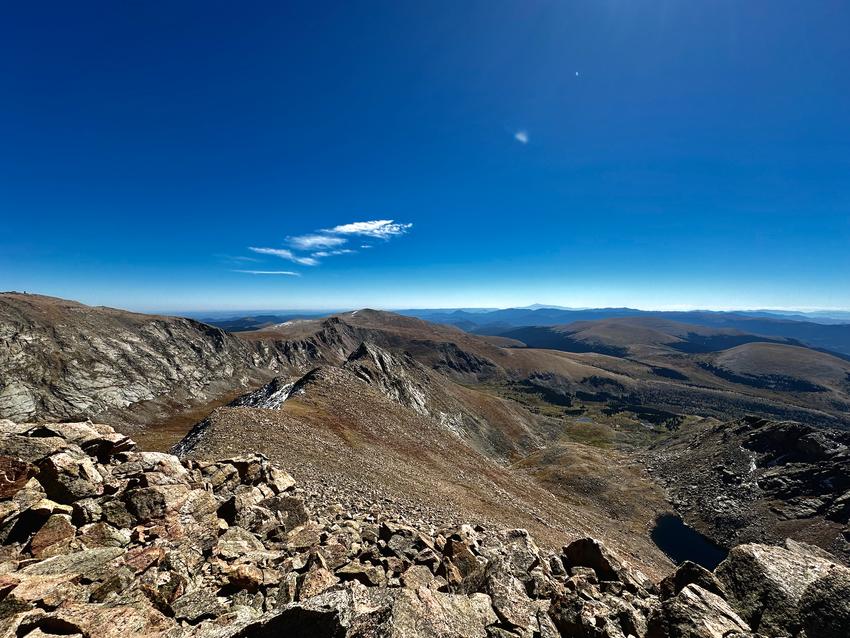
pixel 99 540
pixel 753 479
pixel 689 573
pixel 405 381
pixel 401 378
pixel 60 359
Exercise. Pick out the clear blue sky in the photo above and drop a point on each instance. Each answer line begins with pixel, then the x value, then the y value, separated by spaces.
pixel 652 154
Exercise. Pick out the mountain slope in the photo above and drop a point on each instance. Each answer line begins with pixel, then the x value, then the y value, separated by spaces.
pixel 60 359
pixel 651 367
pixel 789 362
pixel 345 436
pixel 634 336
pixel 684 368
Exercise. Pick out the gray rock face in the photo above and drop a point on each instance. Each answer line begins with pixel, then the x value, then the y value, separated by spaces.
pixel 398 379
pixel 689 573
pixel 695 613
pixel 588 552
pixel 360 612
pixel 271 396
pixel 825 605
pixel 60 360
pixel 110 359
pixel 766 584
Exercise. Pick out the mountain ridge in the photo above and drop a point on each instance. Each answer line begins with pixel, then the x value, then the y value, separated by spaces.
pixel 154 385
pixel 828 336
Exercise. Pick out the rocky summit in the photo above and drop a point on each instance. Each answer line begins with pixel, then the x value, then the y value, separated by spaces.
pixel 101 540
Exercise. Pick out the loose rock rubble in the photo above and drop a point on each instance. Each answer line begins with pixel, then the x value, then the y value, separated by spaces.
pixel 99 540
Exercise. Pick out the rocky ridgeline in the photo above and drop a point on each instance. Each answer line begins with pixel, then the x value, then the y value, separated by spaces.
pixel 101 540
pixel 60 359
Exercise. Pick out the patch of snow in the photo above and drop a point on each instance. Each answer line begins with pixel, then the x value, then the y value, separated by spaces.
pixel 262 398
pixel 453 423
pixel 276 399
pixel 751 480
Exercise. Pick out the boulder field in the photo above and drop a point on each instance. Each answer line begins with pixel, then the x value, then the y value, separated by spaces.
pixel 100 540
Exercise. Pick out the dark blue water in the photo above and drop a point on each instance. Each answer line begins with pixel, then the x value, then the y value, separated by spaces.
pixel 682 543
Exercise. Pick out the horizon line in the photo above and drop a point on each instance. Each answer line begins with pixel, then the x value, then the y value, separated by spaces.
pixel 378 307
pixel 491 308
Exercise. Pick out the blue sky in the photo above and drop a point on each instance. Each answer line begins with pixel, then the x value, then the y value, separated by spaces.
pixel 653 154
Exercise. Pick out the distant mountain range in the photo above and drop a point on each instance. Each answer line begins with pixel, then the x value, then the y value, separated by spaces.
pixel 815 330
pixel 253 322
pixel 810 330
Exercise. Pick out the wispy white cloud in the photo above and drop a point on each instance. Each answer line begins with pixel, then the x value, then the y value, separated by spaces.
pixel 378 228
pixel 236 259
pixel 332 253
pixel 270 272
pixel 284 253
pixel 314 241
pixel 521 137
pixel 309 248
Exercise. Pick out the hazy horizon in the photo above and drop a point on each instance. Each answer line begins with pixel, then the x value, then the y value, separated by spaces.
pixel 671 308
pixel 241 310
